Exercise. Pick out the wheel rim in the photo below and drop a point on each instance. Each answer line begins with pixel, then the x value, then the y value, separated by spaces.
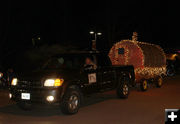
pixel 145 84
pixel 125 89
pixel 160 82
pixel 170 72
pixel 73 102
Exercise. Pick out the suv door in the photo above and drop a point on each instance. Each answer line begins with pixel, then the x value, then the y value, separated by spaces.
pixel 108 74
pixel 93 78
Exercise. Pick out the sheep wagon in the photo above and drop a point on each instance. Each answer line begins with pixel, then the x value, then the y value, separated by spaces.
pixel 149 60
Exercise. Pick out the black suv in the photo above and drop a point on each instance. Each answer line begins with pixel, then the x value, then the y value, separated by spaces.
pixel 64 79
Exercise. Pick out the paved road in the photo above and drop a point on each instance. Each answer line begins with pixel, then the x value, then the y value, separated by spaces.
pixel 140 108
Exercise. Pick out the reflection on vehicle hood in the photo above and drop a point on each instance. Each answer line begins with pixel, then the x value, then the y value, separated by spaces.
pixel 40 75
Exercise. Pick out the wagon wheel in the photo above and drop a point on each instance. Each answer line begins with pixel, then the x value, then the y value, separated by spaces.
pixel 144 85
pixel 159 82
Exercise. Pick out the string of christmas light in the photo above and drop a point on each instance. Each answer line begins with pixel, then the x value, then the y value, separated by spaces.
pixel 149 60
pixel 150 72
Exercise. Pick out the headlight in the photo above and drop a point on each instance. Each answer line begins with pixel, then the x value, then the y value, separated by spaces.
pixel 14 81
pixel 1 75
pixel 53 82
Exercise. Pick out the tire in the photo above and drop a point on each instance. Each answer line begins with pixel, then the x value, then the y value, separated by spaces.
pixel 170 71
pixel 24 106
pixel 123 89
pixel 159 82
pixel 71 101
pixel 144 85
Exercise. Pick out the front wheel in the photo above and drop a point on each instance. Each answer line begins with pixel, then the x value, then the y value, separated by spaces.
pixel 123 89
pixel 71 101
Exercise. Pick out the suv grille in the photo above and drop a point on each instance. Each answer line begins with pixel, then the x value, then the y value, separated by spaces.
pixel 27 84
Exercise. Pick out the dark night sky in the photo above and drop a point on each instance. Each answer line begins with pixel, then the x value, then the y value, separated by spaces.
pixel 70 21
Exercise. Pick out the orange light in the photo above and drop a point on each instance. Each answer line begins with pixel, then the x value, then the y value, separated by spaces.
pixel 173 57
pixel 58 82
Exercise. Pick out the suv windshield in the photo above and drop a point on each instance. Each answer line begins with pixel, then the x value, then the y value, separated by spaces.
pixel 62 63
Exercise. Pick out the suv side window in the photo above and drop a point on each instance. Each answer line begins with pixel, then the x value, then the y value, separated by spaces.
pixel 103 60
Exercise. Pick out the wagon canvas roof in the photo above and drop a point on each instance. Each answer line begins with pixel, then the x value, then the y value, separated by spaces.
pixel 152 55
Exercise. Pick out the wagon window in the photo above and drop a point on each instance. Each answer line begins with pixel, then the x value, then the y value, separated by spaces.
pixel 121 51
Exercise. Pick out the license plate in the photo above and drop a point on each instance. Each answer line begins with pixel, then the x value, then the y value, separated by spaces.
pixel 25 96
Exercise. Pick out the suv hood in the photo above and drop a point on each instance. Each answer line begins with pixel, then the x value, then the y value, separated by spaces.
pixel 40 75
